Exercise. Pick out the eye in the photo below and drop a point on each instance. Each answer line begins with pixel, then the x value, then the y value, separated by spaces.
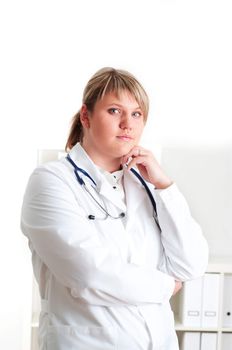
pixel 136 114
pixel 114 110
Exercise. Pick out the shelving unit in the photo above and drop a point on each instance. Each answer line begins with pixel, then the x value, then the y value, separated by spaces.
pixel 222 267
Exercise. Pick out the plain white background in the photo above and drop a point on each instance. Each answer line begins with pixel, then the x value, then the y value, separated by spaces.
pixel 179 49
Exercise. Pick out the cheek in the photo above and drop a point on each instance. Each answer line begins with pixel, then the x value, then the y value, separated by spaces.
pixel 105 130
pixel 139 129
pixel 110 128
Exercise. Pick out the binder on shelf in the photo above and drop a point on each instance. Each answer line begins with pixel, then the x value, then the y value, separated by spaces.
pixel 190 341
pixel 226 341
pixel 200 301
pixel 227 302
pixel 208 341
pixel 210 300
pixel 190 308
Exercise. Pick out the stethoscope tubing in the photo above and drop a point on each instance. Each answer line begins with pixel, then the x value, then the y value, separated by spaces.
pixel 149 195
pixel 82 183
pixel 76 169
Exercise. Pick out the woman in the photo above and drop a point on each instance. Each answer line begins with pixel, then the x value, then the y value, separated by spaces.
pixel 105 268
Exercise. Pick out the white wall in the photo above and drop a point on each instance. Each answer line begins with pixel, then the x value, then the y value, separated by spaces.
pixel 204 176
pixel 181 52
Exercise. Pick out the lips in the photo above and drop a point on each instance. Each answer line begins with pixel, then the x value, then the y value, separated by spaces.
pixel 124 138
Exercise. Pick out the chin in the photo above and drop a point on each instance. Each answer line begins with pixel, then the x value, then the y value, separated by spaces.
pixel 127 147
pixel 122 151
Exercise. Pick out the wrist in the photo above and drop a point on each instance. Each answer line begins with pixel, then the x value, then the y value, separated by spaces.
pixel 163 184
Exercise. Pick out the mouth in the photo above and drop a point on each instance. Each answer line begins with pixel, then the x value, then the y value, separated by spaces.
pixel 125 138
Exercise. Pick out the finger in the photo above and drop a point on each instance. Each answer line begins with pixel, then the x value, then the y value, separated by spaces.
pixel 134 152
pixel 136 161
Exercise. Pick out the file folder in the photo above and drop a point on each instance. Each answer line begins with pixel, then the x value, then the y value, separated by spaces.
pixel 227 302
pixel 209 341
pixel 190 341
pixel 191 303
pixel 210 300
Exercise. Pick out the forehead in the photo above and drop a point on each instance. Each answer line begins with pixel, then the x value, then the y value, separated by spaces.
pixel 122 98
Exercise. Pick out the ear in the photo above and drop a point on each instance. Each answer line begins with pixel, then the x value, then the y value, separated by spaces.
pixel 84 116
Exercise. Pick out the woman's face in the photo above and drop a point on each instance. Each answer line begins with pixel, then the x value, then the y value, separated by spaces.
pixel 113 127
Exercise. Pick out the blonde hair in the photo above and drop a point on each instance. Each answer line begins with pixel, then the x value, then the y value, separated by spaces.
pixel 104 81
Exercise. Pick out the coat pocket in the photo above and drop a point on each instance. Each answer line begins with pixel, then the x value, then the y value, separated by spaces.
pixel 81 338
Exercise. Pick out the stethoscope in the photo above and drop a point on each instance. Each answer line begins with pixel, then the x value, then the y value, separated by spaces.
pixel 103 206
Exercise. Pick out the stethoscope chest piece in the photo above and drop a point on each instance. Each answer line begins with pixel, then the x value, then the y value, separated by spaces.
pixel 89 190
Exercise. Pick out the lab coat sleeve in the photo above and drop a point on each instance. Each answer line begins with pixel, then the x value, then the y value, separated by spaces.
pixel 185 248
pixel 69 244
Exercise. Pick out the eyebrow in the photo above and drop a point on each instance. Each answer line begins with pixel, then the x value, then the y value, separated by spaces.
pixel 119 105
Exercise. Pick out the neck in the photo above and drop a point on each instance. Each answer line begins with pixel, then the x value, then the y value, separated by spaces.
pixel 106 163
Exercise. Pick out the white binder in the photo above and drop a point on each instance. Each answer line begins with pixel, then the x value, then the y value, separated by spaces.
pixel 190 341
pixel 227 302
pixel 191 303
pixel 208 341
pixel 200 301
pixel 226 341
pixel 210 300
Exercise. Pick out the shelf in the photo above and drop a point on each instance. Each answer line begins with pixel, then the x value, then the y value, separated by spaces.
pixel 222 266
pixel 226 330
pixel 182 328
pixel 219 264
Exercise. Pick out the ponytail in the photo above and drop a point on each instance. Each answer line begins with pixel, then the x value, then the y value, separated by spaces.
pixel 76 132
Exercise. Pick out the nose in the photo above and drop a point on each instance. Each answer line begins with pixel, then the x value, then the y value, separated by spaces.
pixel 125 122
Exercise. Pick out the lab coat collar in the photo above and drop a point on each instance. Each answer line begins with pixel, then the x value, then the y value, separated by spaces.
pixel 82 160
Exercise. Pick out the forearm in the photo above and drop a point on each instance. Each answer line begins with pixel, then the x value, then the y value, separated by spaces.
pixel 185 248
pixel 98 276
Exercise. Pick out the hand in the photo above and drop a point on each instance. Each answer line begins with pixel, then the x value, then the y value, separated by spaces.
pixel 148 167
pixel 178 286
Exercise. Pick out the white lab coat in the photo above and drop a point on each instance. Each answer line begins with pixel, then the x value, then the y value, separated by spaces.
pixel 106 284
